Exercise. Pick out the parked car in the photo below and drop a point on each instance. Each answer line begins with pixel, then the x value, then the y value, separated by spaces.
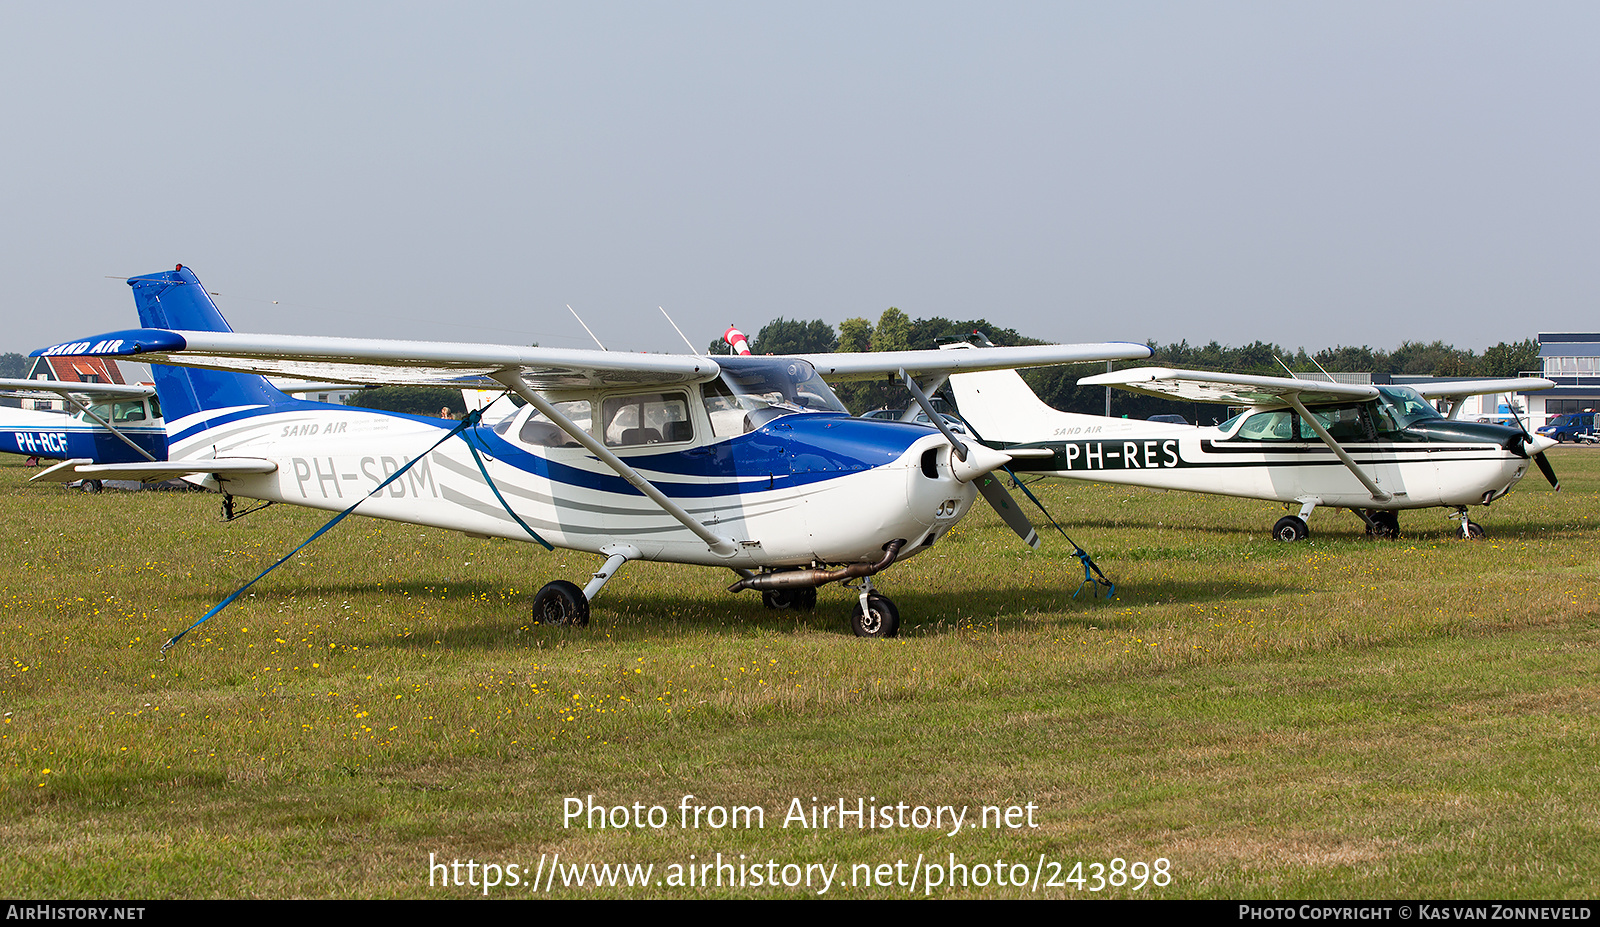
pixel 954 422
pixel 1573 426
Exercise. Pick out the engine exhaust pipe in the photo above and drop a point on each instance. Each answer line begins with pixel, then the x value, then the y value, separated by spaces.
pixel 800 579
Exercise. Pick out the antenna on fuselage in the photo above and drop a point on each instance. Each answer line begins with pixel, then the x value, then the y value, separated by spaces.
pixel 585 327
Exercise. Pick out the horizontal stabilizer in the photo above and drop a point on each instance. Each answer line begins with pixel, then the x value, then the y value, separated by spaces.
pixel 154 471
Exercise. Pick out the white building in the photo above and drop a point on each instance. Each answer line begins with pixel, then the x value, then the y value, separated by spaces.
pixel 1572 359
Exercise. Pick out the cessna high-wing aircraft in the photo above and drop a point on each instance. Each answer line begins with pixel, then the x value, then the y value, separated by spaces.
pixel 1371 449
pixel 112 423
pixel 746 463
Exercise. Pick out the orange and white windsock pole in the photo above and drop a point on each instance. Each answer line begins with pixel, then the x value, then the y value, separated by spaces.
pixel 736 340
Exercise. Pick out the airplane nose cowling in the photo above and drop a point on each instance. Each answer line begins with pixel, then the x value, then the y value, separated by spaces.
pixel 980 461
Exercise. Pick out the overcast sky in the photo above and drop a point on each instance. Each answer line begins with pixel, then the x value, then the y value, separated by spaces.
pixel 1305 173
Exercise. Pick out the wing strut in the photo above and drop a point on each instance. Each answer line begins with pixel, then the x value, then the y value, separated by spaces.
pixel 512 379
pixel 1377 494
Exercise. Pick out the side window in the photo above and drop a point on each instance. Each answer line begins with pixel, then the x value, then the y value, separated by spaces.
pixel 646 418
pixel 1383 418
pixel 1344 423
pixel 723 408
pixel 538 431
pixel 131 410
pixel 1277 425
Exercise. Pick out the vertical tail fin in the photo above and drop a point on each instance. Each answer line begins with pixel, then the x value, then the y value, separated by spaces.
pixel 175 300
pixel 999 404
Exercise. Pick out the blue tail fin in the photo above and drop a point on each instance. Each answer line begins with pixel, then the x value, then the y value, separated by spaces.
pixel 175 300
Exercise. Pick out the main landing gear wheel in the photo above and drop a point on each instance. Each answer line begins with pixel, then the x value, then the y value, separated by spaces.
pixel 1385 525
pixel 1291 528
pixel 561 602
pixel 803 599
pixel 881 618
pixel 90 486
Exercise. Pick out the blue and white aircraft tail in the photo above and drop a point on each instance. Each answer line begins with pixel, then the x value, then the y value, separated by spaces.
pixel 745 463
pixel 175 300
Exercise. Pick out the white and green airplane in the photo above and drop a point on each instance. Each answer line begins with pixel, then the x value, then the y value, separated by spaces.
pixel 1374 450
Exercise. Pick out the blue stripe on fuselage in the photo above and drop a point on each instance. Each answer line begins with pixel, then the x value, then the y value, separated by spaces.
pixel 795 450
pixel 66 443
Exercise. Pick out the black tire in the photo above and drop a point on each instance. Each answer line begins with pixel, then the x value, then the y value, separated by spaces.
pixel 1385 524
pixel 90 486
pixel 1563 438
pixel 882 620
pixel 803 599
pixel 1291 528
pixel 562 603
pixel 1475 531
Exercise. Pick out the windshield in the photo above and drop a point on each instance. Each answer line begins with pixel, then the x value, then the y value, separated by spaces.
pixel 785 383
pixel 755 390
pixel 1400 406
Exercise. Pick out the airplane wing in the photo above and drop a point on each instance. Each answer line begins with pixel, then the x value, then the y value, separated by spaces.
pixel 462 365
pixel 1458 388
pixel 1235 389
pixel 876 364
pixel 90 391
pixel 389 362
pixel 152 471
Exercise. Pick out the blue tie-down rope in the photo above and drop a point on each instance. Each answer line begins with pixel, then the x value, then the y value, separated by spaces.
pixel 461 429
pixel 1092 577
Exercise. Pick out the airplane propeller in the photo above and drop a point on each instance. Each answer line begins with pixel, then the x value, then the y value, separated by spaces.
pixel 977 462
pixel 1539 458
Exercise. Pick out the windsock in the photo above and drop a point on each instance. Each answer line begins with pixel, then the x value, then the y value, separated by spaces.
pixel 736 340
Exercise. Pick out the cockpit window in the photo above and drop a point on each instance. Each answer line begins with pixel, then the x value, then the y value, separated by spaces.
pixel 647 418
pixel 537 431
pixel 1400 406
pixel 1342 423
pixel 755 390
pixel 129 411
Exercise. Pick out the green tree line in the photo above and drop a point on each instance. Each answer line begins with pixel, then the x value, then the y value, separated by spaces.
pixel 1057 386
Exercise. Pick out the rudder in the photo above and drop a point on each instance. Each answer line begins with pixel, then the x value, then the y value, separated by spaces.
pixel 176 301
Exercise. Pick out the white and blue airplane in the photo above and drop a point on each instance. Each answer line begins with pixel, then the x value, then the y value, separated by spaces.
pixel 1374 450
pixel 109 423
pixel 746 463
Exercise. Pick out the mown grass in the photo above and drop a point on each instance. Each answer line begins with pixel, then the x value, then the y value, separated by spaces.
pixel 1340 718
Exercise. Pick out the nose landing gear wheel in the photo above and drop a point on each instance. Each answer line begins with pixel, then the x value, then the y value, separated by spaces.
pixel 1473 531
pixel 881 618
pixel 562 603
pixel 1291 528
pixel 1385 525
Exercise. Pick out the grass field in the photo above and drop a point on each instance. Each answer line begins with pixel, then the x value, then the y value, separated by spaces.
pixel 1339 718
